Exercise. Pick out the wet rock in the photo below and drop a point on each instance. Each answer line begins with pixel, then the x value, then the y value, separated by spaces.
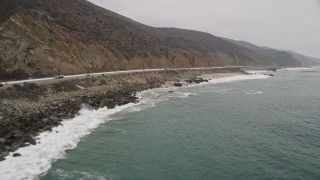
pixel 30 140
pixel 177 84
pixel 54 102
pixel 198 80
pixel 18 135
pixel 16 155
pixel 2 143
pixel 17 124
pixel 269 74
pixel 47 128
pixel 70 115
pixel 44 120
pixel 15 147
pixel 101 105
pixel 25 144
pixel 91 102
pixel 53 118
pixel 5 122
pixel 5 153
pixel 7 148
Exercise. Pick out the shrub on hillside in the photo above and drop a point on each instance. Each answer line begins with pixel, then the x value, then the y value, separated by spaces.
pixel 30 91
pixel 17 87
pixel 17 74
pixel 64 86
pixel 103 82
pixel 31 86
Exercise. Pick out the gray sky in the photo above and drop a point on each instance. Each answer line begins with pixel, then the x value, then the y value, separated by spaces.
pixel 283 24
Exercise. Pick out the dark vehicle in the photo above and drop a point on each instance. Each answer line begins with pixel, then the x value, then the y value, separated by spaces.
pixel 58 76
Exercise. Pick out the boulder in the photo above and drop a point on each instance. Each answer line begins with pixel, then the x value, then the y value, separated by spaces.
pixel 44 120
pixel 53 118
pixel 30 140
pixel 5 153
pixel 16 155
pixel 7 148
pixel 91 103
pixel 198 80
pixel 177 84
pixel 2 142
pixel 18 135
pixel 15 147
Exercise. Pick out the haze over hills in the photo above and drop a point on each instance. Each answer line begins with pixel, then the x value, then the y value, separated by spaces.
pixel 307 60
pixel 280 57
pixel 40 37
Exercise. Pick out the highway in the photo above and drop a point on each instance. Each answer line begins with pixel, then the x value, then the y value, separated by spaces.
pixel 79 76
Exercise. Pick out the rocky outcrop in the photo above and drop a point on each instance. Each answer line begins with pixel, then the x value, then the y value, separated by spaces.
pixel 177 84
pixel 19 127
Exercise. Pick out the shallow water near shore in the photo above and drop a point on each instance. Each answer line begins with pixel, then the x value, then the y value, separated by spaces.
pixel 254 129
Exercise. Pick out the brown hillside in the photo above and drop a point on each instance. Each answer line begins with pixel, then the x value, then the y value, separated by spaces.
pixel 39 37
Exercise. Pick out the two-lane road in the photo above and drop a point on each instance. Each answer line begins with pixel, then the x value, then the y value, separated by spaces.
pixel 79 76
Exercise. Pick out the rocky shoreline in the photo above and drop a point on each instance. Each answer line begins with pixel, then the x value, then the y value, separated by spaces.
pixel 23 118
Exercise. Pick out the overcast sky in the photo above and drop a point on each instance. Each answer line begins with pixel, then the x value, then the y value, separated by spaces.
pixel 283 24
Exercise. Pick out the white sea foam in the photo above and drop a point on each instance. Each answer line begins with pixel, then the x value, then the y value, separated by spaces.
pixel 153 96
pixel 219 91
pixel 228 79
pixel 253 92
pixel 36 160
pixel 258 72
pixel 186 95
pixel 298 68
pixel 78 175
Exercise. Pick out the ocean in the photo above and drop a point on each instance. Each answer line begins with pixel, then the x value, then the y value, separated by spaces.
pixel 237 127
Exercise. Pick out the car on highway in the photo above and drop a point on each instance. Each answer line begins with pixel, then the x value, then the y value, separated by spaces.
pixel 58 76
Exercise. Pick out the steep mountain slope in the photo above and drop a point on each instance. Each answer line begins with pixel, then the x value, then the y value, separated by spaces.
pixel 40 37
pixel 43 36
pixel 280 57
pixel 208 44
